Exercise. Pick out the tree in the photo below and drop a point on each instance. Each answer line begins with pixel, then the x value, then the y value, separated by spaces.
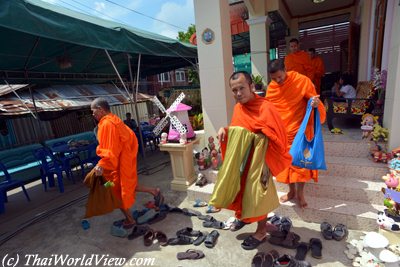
pixel 193 72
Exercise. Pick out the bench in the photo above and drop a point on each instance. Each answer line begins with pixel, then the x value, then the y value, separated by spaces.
pixel 352 107
pixel 21 163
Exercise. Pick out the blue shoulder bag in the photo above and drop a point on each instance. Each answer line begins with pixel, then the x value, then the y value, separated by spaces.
pixel 309 154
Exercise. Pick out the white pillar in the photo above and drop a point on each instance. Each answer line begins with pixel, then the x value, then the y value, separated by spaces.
pixel 366 34
pixel 259 45
pixel 215 63
pixel 392 97
pixel 259 36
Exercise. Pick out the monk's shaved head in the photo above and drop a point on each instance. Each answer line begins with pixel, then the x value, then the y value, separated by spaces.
pixel 237 74
pixel 276 65
pixel 100 103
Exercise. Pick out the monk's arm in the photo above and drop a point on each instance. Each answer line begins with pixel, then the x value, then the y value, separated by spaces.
pixel 109 148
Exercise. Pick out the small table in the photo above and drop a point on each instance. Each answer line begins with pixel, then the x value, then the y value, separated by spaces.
pixel 182 164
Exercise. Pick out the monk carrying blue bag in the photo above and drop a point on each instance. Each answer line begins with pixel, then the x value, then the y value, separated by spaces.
pixel 309 154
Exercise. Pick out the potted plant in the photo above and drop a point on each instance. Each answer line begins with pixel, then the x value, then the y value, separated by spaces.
pixel 258 81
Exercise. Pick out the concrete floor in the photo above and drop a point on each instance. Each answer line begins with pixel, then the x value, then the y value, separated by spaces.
pixel 50 226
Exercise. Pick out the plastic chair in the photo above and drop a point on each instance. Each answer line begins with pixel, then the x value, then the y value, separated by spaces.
pixel 50 167
pixel 7 184
pixel 67 159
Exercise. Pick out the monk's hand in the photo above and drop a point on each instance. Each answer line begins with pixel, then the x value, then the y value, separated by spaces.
pixel 98 170
pixel 315 101
pixel 221 134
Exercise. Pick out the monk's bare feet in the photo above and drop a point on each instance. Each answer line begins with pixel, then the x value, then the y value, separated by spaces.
pixel 302 201
pixel 288 196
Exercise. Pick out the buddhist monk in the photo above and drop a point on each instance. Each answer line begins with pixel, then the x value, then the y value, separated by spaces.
pixel 298 60
pixel 117 149
pixel 254 146
pixel 290 92
pixel 319 69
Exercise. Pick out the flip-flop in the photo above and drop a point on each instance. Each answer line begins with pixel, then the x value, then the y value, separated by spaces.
pixel 190 254
pixel 284 239
pixel 148 237
pixel 237 225
pixel 161 238
pixel 214 224
pixel 212 209
pixel 258 260
pixel 200 239
pixel 211 239
pixel 137 231
pixel 316 248
pixel 251 242
pixel 180 240
pixel 188 232
pixel 326 230
pixel 301 251
pixel 199 203
pixel 285 224
pixel 340 232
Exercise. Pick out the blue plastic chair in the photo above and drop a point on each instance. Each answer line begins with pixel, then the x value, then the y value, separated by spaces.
pixel 8 184
pixel 50 167
pixel 67 159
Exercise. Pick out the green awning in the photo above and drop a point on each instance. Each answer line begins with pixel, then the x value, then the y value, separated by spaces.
pixel 40 41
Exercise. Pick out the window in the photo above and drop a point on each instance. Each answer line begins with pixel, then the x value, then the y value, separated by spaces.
pixel 163 77
pixel 180 76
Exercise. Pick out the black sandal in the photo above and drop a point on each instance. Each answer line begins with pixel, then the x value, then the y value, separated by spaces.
pixel 237 225
pixel 340 232
pixel 326 230
pixel 180 240
pixel 251 242
pixel 211 239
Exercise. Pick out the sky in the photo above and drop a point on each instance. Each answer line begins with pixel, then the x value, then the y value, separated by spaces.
pixel 178 14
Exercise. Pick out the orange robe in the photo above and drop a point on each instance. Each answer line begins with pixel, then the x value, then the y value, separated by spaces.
pixel 319 72
pixel 290 99
pixel 259 115
pixel 300 62
pixel 118 149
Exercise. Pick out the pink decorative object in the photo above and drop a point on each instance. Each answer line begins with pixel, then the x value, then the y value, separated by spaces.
pixel 180 111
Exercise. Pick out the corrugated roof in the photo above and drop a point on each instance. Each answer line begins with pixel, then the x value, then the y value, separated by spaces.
pixel 63 97
pixel 6 89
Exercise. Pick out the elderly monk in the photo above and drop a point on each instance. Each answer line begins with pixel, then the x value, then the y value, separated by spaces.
pixel 253 147
pixel 319 69
pixel 298 60
pixel 290 92
pixel 117 150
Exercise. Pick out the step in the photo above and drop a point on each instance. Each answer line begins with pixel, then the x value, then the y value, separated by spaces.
pixel 210 174
pixel 344 188
pixel 357 216
pixel 358 149
pixel 354 167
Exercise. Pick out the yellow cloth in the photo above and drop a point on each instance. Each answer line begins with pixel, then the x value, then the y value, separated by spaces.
pixel 245 148
pixel 118 149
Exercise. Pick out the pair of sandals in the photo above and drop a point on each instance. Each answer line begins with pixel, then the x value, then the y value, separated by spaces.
pixel 149 235
pixel 282 223
pixel 315 246
pixel 338 233
pixel 211 222
pixel 262 259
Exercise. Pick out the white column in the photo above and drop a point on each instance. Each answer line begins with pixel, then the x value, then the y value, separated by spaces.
pixel 392 97
pixel 215 62
pixel 259 45
pixel 366 34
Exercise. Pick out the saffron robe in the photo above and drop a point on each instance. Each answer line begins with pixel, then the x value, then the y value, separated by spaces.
pixel 117 150
pixel 290 99
pixel 319 72
pixel 260 116
pixel 300 61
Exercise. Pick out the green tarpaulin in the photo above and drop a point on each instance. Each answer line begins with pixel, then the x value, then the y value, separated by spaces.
pixel 43 42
